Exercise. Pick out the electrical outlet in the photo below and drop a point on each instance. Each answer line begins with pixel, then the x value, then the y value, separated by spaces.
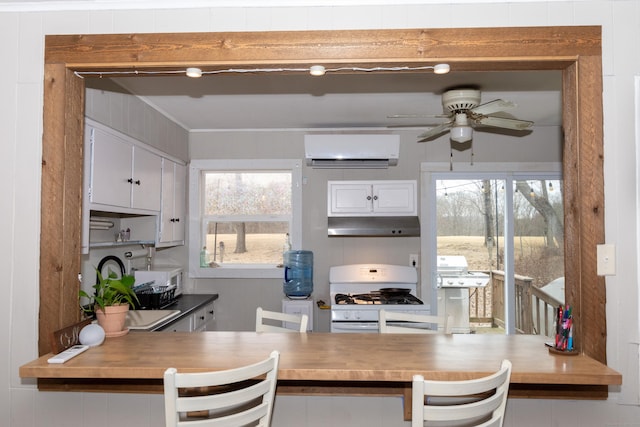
pixel 414 260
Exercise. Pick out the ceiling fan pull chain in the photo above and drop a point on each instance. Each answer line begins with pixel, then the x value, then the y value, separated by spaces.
pixel 471 152
pixel 451 158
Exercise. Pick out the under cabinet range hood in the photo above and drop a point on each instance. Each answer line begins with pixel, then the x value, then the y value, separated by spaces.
pixel 348 151
pixel 373 226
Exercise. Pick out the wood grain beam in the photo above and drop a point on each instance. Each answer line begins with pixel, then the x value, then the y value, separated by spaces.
pixel 575 50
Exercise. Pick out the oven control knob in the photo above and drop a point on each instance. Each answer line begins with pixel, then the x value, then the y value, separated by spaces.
pixel 461 283
pixel 347 315
pixel 450 282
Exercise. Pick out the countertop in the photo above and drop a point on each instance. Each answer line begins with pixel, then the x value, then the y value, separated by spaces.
pixel 319 357
pixel 329 363
pixel 187 304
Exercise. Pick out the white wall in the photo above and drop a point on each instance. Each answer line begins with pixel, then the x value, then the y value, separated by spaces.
pixel 21 47
pixel 540 146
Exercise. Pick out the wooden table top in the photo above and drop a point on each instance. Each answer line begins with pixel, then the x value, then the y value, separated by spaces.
pixel 329 357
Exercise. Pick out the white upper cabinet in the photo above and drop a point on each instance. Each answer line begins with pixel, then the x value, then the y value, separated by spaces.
pixel 172 221
pixel 369 198
pixel 123 175
pixel 129 185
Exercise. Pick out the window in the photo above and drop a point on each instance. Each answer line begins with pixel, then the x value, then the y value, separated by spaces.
pixel 242 213
pixel 507 224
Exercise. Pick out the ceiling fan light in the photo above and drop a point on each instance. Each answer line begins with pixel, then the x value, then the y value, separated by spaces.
pixel 461 133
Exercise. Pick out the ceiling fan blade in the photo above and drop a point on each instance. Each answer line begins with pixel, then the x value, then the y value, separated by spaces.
pixel 502 122
pixel 433 132
pixel 493 107
pixel 414 125
pixel 418 116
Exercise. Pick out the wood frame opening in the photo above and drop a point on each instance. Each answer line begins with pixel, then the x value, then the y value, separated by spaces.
pixel 574 50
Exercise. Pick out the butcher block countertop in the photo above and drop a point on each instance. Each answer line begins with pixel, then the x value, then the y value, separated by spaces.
pixel 137 361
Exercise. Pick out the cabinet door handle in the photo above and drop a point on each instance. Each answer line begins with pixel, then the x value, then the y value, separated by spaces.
pixel 130 180
pixel 368 197
pixel 375 197
pixel 137 182
pixel 177 219
pixel 211 312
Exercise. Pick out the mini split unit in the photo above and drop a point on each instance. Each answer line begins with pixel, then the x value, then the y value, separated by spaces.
pixel 360 151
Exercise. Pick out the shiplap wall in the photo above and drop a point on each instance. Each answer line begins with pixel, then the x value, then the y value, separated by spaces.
pixel 22 34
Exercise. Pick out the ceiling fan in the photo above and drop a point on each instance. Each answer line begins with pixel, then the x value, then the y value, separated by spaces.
pixel 464 113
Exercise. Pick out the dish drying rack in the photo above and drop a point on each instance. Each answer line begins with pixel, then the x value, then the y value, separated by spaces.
pixel 152 297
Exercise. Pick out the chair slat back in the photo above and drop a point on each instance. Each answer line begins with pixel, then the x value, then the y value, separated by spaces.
pixel 300 320
pixel 481 402
pixel 229 398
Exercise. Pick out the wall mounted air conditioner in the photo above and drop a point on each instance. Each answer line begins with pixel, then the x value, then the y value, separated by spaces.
pixel 360 151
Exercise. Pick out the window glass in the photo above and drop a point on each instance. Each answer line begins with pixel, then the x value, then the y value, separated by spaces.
pixel 470 222
pixel 246 216
pixel 243 212
pixel 240 242
pixel 247 193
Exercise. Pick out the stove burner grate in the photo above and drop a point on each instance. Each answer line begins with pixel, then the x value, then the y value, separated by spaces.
pixel 377 298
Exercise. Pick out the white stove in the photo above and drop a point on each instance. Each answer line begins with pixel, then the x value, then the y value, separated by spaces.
pixel 359 291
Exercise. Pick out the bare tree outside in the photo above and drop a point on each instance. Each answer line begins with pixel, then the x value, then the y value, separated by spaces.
pixel 249 212
pixel 473 209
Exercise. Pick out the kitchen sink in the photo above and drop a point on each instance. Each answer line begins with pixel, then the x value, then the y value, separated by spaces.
pixel 148 319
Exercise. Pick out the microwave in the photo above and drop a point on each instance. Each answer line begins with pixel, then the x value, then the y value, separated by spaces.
pixel 162 276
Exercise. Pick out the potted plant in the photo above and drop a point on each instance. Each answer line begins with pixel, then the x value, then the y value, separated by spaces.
pixel 110 301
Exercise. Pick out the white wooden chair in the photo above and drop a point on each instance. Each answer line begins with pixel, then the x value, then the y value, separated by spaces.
pixel 480 402
pixel 438 324
pixel 299 320
pixel 234 397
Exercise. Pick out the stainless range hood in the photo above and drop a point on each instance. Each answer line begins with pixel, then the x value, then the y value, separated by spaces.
pixel 373 226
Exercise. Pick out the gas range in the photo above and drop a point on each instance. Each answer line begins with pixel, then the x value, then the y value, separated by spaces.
pixel 359 291
pixel 379 297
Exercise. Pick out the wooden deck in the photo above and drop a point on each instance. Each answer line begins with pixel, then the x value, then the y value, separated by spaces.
pixel 534 308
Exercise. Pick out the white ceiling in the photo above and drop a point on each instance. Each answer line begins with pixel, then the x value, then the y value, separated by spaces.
pixel 364 100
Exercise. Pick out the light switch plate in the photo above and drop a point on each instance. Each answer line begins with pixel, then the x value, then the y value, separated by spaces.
pixel 606 263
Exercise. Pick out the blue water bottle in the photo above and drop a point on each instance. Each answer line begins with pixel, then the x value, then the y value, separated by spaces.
pixel 298 274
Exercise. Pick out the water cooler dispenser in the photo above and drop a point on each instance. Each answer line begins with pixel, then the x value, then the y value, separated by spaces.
pixel 298 274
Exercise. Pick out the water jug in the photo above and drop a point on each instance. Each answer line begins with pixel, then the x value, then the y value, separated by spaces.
pixel 298 274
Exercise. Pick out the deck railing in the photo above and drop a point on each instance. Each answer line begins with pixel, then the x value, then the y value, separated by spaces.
pixel 534 307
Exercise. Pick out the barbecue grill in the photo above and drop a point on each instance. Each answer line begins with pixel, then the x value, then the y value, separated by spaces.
pixel 453 272
pixel 454 281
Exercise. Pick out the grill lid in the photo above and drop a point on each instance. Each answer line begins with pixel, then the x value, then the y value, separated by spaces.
pixel 452 265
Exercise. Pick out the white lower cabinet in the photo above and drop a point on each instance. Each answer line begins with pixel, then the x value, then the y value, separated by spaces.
pixel 182 325
pixel 204 319
pixel 201 320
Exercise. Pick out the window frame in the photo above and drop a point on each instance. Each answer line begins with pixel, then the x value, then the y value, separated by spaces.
pixel 196 199
pixel 510 172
